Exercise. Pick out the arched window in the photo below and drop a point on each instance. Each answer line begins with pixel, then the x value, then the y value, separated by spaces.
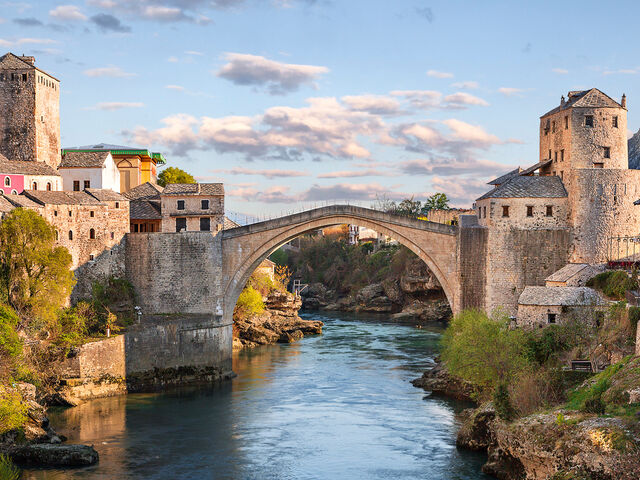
pixel 57 235
pixel 7 181
pixel 35 186
pixel 48 186
pixel 14 192
pixel 70 234
pixel 92 234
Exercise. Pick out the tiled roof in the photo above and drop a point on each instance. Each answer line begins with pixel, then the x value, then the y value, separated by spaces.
pixel 194 189
pixel 500 180
pixel 106 195
pixel 559 296
pixel 567 272
pixel 145 191
pixel 585 98
pixel 84 159
pixel 62 198
pixel 13 167
pixel 22 201
pixel 533 168
pixel 10 61
pixel 5 205
pixel 529 187
pixel 228 223
pixel 144 210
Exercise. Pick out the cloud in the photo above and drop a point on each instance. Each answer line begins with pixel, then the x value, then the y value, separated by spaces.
pixel 375 104
pixel 422 99
pixel 270 174
pixel 275 194
pixel 110 71
pixel 474 135
pixel 560 71
pixel 346 191
pixel 26 41
pixel 278 78
pixel 159 11
pixel 355 174
pixel 450 166
pixel 173 59
pixel 110 106
pixel 462 100
pixel 67 13
pixel 510 91
pixel 437 74
pixel 175 87
pixel 106 22
pixel 28 22
pixel 468 85
pixel 622 71
pixel 425 12
pixel 463 191
pixel 193 52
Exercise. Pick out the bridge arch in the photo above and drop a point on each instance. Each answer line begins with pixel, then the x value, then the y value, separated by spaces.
pixel 244 248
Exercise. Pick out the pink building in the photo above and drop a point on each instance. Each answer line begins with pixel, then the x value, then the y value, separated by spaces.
pixel 11 183
pixel 15 177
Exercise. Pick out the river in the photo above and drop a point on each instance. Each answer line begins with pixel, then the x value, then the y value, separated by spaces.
pixel 335 406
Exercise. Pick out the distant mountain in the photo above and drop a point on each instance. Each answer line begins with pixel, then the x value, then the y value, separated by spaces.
pixel 634 151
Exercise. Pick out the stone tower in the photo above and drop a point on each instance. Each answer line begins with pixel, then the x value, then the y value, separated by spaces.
pixel 584 142
pixel 29 111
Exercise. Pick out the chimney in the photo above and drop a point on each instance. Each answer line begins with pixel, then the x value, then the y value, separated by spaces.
pixel 562 100
pixel 29 60
pixel 624 101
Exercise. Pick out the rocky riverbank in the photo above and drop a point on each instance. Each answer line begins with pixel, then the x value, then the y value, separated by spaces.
pixel 414 295
pixel 278 323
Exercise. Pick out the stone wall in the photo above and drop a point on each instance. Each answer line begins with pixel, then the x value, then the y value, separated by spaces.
pixel 97 359
pixel 192 212
pixel 47 120
pixel 17 122
pixel 518 208
pixel 472 256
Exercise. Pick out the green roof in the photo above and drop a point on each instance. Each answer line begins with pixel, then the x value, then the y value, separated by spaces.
pixel 158 157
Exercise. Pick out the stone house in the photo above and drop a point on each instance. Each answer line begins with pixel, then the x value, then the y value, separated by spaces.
pixel 30 106
pixel 192 207
pixel 136 165
pixel 541 306
pixel 572 275
pixel 81 170
pixel 87 223
pixel 16 176
pixel 145 208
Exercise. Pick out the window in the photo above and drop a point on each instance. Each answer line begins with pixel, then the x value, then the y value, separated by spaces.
pixel 561 175
pixel 505 210
pixel 553 126
pixel 180 204
pixel 55 213
pixel 556 157
pixel 70 234
pixel 48 186
pixel 76 185
pixel 91 257
pixel 14 192
pixel 529 210
pixel 92 234
pixel 598 165
pixel 549 210
pixel 87 184
pixel 562 155
pixel 549 157
pixel 484 211
pixel 566 123
pixel 135 228
pixel 57 235
pixel 92 214
pixel 117 204
pixel 181 224
pixel 34 186
pixel 588 120
pixel 615 122
pixel 205 204
pixel 70 213
pixel 113 235
pixel 24 77
pixel 607 152
pixel 205 224
pixel 7 181
pixel 551 317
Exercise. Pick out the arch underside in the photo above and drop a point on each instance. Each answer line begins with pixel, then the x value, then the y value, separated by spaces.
pixel 424 246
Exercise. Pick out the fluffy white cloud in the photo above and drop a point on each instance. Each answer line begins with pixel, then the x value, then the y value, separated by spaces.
pixel 437 74
pixel 462 100
pixel 278 78
pixel 375 104
pixel 67 13
pixel 510 91
pixel 474 135
pixel 26 41
pixel 110 71
pixel 175 87
pixel 422 99
pixel 356 174
pixel 270 174
pixel 462 190
pixel 451 166
pixel 110 106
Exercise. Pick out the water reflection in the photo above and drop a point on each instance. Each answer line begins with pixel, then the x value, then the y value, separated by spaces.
pixel 332 406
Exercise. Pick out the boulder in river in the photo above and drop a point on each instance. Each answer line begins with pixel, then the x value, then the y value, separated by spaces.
pixel 48 455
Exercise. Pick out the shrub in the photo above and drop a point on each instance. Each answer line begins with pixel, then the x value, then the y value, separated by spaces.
pixel 634 316
pixel 10 343
pixel 613 283
pixel 502 403
pixel 249 302
pixel 13 413
pixel 545 343
pixel 8 471
pixel 536 389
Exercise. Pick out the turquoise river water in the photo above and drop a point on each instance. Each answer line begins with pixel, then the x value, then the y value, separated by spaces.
pixel 336 406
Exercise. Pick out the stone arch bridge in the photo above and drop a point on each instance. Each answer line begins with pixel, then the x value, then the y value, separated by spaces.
pixel 188 283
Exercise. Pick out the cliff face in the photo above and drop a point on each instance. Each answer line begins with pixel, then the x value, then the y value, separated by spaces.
pixel 279 323
pixel 634 151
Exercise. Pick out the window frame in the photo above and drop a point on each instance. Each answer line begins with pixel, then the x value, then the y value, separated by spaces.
pixel 505 211
pixel 180 205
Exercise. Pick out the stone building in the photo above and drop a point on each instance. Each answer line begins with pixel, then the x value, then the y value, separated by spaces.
pixel 30 106
pixel 541 306
pixel 136 165
pixel 16 176
pixel 573 275
pixel 81 170
pixel 145 208
pixel 192 207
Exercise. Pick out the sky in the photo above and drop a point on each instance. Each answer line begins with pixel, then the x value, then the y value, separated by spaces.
pixel 294 103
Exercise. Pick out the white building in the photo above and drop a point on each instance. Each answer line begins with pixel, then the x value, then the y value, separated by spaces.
pixel 80 170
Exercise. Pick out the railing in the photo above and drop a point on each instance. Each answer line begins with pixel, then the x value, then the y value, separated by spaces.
pixel 623 252
pixel 243 219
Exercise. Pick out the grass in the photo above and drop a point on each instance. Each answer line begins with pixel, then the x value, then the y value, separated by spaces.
pixel 8 471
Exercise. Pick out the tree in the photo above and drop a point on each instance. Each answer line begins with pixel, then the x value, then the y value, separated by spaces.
pixel 409 207
pixel 35 275
pixel 437 201
pixel 174 175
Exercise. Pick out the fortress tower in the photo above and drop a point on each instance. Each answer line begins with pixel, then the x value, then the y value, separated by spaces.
pixel 29 111
pixel 584 142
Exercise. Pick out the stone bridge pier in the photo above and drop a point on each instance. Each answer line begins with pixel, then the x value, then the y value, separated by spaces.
pixel 188 283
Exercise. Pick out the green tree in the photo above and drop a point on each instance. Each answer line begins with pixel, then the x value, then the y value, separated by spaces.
pixel 174 175
pixel 437 201
pixel 410 207
pixel 35 278
pixel 482 349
